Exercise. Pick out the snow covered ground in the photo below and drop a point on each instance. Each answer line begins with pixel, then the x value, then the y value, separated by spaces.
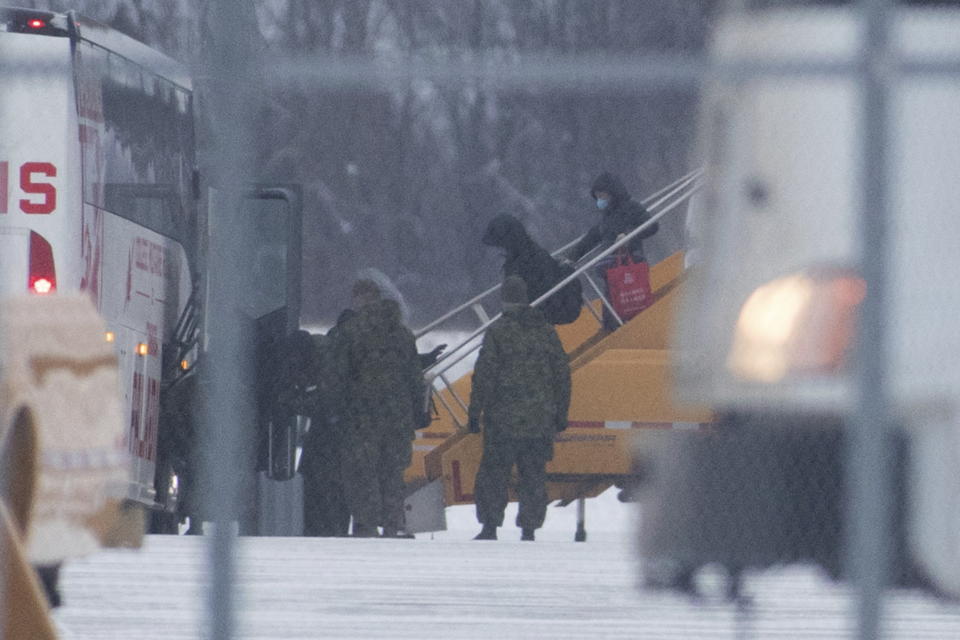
pixel 448 586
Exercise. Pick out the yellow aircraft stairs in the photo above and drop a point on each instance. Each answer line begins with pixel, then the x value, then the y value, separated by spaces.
pixel 621 385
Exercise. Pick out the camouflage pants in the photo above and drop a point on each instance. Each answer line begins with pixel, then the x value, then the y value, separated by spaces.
pixel 493 477
pixel 374 460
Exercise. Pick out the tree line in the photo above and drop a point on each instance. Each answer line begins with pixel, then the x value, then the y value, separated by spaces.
pixel 404 178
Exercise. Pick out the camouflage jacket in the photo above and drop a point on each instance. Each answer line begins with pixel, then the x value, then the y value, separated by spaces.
pixel 521 382
pixel 381 381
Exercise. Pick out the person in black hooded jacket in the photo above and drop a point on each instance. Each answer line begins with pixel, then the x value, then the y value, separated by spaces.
pixel 620 214
pixel 535 266
pixel 523 257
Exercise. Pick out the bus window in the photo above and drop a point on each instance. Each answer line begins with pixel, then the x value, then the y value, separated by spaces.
pixel 144 143
pixel 266 276
pixel 153 206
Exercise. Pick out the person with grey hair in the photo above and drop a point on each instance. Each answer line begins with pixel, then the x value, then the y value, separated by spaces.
pixel 520 397
pixel 381 387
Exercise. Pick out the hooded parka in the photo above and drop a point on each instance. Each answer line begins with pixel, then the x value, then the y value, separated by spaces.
pixel 622 215
pixel 382 386
pixel 523 257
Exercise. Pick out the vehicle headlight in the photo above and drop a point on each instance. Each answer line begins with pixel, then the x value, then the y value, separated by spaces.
pixel 803 323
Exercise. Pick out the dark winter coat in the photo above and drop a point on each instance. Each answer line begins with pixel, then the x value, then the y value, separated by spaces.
pixel 330 378
pixel 293 376
pixel 622 215
pixel 382 383
pixel 521 381
pixel 523 257
pixel 325 409
pixel 539 270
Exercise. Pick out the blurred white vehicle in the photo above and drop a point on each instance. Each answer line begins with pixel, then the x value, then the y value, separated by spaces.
pixel 769 314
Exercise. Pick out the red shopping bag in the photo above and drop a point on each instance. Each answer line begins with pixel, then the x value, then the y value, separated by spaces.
pixel 628 284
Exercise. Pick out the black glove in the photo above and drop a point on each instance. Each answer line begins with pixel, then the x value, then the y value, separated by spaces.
pixel 428 359
pixel 473 425
pixel 562 426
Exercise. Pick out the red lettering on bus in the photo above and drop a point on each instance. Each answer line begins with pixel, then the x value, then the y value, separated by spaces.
pixel 4 168
pixel 45 189
pixel 153 418
pixel 156 259
pixel 136 408
pixel 141 254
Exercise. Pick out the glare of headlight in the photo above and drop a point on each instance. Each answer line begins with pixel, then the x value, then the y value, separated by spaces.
pixel 767 322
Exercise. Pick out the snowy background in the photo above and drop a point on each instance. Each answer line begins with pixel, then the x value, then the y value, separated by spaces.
pixel 404 179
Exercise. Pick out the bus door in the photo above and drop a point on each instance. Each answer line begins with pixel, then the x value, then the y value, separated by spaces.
pixel 271 309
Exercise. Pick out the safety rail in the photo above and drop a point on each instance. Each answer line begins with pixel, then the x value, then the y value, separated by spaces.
pixel 668 198
pixel 680 182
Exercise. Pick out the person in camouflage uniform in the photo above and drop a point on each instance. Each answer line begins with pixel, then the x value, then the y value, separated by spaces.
pixel 520 393
pixel 382 388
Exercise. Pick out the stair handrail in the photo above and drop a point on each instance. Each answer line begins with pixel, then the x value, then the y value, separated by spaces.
pixel 448 361
pixel 646 202
pixel 679 185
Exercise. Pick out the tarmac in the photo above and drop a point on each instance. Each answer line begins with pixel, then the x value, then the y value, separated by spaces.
pixel 449 586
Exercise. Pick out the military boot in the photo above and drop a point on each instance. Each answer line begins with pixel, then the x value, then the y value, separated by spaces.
pixel 489 532
pixel 527 534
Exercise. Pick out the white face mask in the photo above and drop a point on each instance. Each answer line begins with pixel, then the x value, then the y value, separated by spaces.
pixel 602 203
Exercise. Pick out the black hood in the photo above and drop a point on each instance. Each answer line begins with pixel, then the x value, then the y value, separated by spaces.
pixel 506 232
pixel 612 184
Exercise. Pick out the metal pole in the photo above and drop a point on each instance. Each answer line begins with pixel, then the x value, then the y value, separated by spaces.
pixel 227 423
pixel 870 442
pixel 581 533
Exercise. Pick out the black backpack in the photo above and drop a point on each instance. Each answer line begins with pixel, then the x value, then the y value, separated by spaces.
pixel 563 307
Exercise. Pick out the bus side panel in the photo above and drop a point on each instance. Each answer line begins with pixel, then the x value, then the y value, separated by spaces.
pixel 39 159
pixel 145 283
pixel 137 139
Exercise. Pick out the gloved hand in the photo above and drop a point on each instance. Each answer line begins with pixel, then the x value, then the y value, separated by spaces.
pixel 431 357
pixel 473 425
pixel 561 426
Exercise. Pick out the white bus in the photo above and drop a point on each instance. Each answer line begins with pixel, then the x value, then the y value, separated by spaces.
pixel 99 192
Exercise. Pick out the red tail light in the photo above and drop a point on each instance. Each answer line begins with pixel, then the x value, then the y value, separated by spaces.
pixel 43 275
